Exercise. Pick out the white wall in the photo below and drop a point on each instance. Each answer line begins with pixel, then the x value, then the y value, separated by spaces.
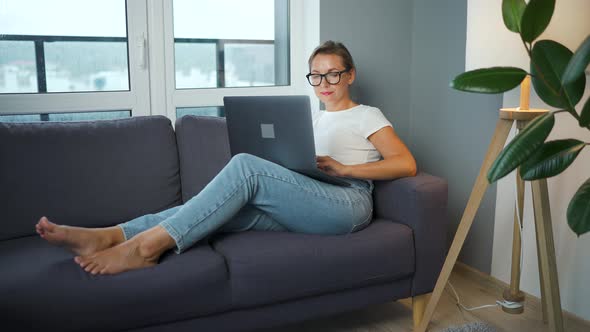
pixel 489 43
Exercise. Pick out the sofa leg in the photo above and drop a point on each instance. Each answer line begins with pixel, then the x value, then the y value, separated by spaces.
pixel 418 307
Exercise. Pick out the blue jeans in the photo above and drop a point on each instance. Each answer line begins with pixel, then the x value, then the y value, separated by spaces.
pixel 251 193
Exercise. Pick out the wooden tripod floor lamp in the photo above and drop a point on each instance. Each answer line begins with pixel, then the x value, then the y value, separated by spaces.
pixel 550 297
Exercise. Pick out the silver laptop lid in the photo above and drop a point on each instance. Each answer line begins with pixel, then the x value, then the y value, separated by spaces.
pixel 275 128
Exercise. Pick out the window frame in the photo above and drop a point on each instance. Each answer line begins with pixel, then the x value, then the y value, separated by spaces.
pixel 136 99
pixel 151 58
pixel 303 35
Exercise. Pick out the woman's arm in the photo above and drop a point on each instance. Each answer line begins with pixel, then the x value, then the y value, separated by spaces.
pixel 397 160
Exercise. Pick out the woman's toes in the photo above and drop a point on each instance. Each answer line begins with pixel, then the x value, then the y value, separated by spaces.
pixel 96 269
pixel 82 261
pixel 86 264
pixel 46 224
pixel 89 267
pixel 79 260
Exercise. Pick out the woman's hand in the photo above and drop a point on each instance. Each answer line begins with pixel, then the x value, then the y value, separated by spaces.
pixel 330 166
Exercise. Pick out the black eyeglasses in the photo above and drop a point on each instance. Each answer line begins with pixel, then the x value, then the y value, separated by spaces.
pixel 332 77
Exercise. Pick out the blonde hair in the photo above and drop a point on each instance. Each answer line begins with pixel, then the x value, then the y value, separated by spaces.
pixel 336 48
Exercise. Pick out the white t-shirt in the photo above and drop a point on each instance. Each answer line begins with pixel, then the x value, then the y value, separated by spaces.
pixel 343 135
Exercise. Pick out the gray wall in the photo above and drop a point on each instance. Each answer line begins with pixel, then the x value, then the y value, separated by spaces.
pixel 378 35
pixel 407 52
pixel 451 130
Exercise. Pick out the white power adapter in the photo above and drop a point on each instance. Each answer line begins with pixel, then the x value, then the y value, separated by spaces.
pixel 510 305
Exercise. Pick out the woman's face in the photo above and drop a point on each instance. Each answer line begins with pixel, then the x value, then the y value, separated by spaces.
pixel 332 94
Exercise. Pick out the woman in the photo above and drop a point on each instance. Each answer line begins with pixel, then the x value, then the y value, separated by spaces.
pixel 353 141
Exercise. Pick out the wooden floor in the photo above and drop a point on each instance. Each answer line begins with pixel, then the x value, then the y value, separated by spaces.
pixel 474 289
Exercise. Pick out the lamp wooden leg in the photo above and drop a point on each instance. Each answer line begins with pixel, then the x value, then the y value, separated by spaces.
pixel 547 254
pixel 541 279
pixel 418 306
pixel 514 293
pixel 481 184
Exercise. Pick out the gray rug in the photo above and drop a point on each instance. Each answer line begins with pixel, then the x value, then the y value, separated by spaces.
pixel 471 327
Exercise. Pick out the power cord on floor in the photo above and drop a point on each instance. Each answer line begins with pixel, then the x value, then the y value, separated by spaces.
pixel 474 308
pixel 503 303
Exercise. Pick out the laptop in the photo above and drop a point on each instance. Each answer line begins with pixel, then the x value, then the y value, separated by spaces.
pixel 278 129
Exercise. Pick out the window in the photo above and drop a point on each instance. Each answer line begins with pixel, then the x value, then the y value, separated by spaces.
pixel 68 48
pixel 18 68
pixel 85 116
pixel 230 43
pixel 250 65
pixel 163 57
pixel 200 111
pixel 195 64
pixel 218 48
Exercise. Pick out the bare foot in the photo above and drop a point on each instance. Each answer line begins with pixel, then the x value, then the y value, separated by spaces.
pixel 143 250
pixel 82 241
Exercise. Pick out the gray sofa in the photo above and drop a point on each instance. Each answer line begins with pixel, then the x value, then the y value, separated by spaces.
pixel 105 172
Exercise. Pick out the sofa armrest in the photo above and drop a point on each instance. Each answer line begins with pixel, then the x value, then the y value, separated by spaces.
pixel 419 202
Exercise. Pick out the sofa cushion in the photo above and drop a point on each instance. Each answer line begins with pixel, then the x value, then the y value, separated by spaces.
pixel 42 288
pixel 203 148
pixel 85 173
pixel 268 267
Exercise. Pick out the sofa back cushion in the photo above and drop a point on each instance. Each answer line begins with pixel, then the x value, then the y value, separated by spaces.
pixel 85 173
pixel 203 148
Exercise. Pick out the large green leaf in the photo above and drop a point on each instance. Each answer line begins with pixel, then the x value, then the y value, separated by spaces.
pixel 548 62
pixel 585 117
pixel 551 159
pixel 577 64
pixel 489 80
pixel 578 211
pixel 512 11
pixel 536 18
pixel 522 146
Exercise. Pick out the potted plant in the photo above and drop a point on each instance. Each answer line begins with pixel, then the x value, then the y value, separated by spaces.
pixel 558 78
